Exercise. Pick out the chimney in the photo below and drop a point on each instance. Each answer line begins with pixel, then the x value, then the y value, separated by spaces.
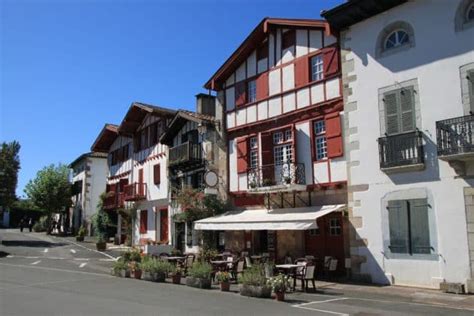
pixel 206 104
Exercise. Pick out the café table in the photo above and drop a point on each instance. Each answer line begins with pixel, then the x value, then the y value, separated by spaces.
pixel 173 259
pixel 289 270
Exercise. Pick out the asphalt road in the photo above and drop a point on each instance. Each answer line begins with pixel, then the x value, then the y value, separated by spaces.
pixel 42 275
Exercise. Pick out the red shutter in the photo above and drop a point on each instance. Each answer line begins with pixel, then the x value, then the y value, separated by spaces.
pixel 301 71
pixel 334 135
pixel 156 174
pixel 262 86
pixel 240 93
pixel 164 225
pixel 107 188
pixel 242 161
pixel 122 184
pixel 331 61
pixel 268 173
pixel 143 222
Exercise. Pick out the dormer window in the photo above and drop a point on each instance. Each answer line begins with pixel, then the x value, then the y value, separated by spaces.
pixel 396 38
pixel 464 18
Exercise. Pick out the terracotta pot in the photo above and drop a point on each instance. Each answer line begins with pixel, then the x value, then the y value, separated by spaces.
pixel 176 278
pixel 225 286
pixel 137 274
pixel 280 296
pixel 101 246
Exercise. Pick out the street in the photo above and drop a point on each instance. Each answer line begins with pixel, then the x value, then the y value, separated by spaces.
pixel 42 275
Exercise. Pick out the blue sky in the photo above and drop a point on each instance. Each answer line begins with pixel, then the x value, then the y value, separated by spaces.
pixel 67 67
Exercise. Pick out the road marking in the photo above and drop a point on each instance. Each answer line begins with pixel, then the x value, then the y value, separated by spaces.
pixel 82 265
pixel 36 262
pixel 321 310
pixel 9 256
pixel 45 250
pixel 55 269
pixel 81 246
pixel 72 250
pixel 81 259
pixel 325 301
pixel 108 260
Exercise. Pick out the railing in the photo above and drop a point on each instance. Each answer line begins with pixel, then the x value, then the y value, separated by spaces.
pixel 115 200
pixel 135 191
pixel 401 150
pixel 455 136
pixel 271 175
pixel 184 153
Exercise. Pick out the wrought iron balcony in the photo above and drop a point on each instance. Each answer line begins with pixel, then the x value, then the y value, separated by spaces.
pixel 284 177
pixel 455 138
pixel 135 191
pixel 401 151
pixel 114 200
pixel 188 154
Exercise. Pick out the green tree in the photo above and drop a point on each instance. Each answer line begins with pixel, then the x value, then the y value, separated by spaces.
pixel 51 189
pixel 9 167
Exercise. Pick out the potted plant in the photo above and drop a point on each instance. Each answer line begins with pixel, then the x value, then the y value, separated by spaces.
pixel 199 275
pixel 147 268
pixel 135 269
pixel 100 221
pixel 160 270
pixel 267 182
pixel 224 280
pixel 254 283
pixel 81 233
pixel 175 273
pixel 253 184
pixel 287 179
pixel 120 269
pixel 279 285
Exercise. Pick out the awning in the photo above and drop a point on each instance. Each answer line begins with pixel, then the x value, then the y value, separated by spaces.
pixel 301 218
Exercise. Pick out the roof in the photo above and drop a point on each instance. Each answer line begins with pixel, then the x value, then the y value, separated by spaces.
pixel 355 11
pixel 137 112
pixel 256 37
pixel 86 155
pixel 107 136
pixel 180 119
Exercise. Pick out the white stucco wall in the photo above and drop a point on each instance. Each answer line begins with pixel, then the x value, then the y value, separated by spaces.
pixel 434 63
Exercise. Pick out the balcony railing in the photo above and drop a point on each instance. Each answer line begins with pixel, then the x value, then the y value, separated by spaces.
pixel 455 136
pixel 135 191
pixel 114 200
pixel 276 175
pixel 402 150
pixel 186 153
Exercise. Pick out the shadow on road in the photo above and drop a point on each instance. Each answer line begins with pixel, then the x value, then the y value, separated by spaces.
pixel 31 243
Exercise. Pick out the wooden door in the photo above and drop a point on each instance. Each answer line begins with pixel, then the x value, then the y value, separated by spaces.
pixel 164 225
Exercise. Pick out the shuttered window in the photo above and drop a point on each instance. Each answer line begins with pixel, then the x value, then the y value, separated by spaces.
pixel 399 111
pixel 143 222
pixel 470 83
pixel 242 159
pixel 156 174
pixel 409 226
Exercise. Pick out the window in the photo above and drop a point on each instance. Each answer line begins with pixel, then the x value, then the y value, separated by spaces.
pixel 283 154
pixel 156 174
pixel 396 38
pixel 409 226
pixel 262 51
pixel 399 111
pixel 470 13
pixel 320 140
pixel 252 91
pixel 278 138
pixel 288 39
pixel 253 157
pixel 288 135
pixel 335 227
pixel 143 222
pixel 314 232
pixel 317 69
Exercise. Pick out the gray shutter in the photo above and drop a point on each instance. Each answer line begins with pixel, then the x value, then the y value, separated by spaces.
pixel 407 107
pixel 398 223
pixel 420 226
pixel 470 83
pixel 391 113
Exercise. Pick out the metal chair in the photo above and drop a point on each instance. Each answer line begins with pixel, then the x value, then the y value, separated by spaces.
pixel 307 276
pixel 188 262
pixel 248 262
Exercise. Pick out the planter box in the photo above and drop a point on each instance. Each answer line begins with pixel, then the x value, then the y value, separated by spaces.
pixel 198 283
pixel 147 276
pixel 154 277
pixel 255 291
pixel 176 279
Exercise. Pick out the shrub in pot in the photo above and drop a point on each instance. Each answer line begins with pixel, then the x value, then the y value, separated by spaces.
pixel 120 268
pixel 175 273
pixel 254 283
pixel 100 221
pixel 155 270
pixel 199 275
pixel 135 269
pixel 147 268
pixel 224 280
pixel 279 284
pixel 81 233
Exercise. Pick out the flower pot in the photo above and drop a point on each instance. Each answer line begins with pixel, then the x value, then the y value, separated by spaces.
pixel 137 274
pixel 125 273
pixel 255 291
pixel 225 286
pixel 280 296
pixel 198 283
pixel 101 246
pixel 159 277
pixel 148 276
pixel 176 278
pixel 79 238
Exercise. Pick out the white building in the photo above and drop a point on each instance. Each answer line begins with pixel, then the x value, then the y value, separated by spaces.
pixel 408 73
pixel 88 178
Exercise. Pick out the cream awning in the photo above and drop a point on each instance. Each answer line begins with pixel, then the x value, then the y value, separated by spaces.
pixel 301 218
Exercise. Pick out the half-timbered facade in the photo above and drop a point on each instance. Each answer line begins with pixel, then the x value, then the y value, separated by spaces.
pixel 281 90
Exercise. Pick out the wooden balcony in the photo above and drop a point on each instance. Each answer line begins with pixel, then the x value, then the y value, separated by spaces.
pixel 185 156
pixel 401 152
pixel 135 191
pixel 114 201
pixel 277 178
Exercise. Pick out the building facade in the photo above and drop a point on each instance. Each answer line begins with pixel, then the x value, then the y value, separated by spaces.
pixel 281 91
pixel 88 182
pixel 407 70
